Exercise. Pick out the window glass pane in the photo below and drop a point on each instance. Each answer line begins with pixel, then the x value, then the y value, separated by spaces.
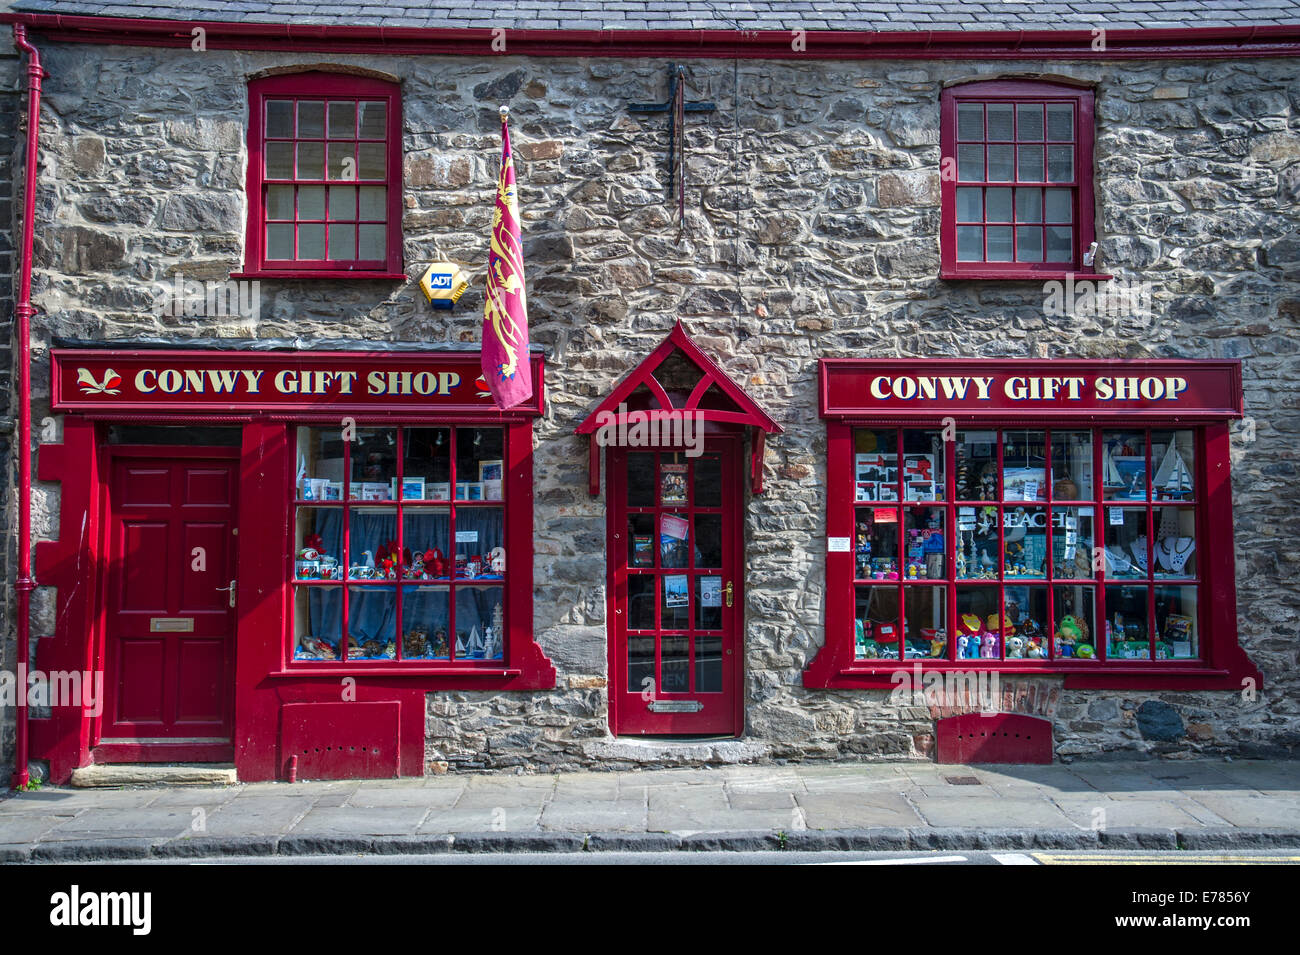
pixel 374 464
pixel 311 202
pixel 978 623
pixel 311 119
pixel 426 542
pixel 1024 542
pixel 968 204
pixel 1176 624
pixel 675 664
pixel 1175 550
pixel 319 547
pixel 370 161
pixel 970 163
pixel 675 611
pixel 875 465
pixel 977 462
pixel 1060 244
pixel 1025 622
pixel 372 544
pixel 479 464
pixel 1127 628
pixel 641 602
pixel 317 623
pixel 372 623
pixel 1024 466
pixel 923 460
pixel 641 662
pixel 1029 205
pixel 876 543
pixel 1075 631
pixel 374 202
pixel 708 540
pixel 374 120
pixel 997 205
pixel 1029 244
pixel 279 160
pixel 1072 465
pixel 708 664
pixel 373 241
pixel 999 243
pixel 343 161
pixel 1030 168
pixel 1124 465
pixel 970 243
pixel 343 242
pixel 977 542
pixel 279 242
pixel 1126 542
pixel 1060 205
pixel 311 161
pixel 343 119
pixel 925 622
pixel 707 476
pixel 1060 163
pixel 923 537
pixel 279 202
pixel 480 622
pixel 320 464
pixel 311 242
pixel 876 620
pixel 641 479
pixel 1029 121
pixel 674 540
pixel 708 602
pixel 1072 543
pixel 1060 122
pixel 426 623
pixel 1000 121
pixel 343 202
pixel 279 118
pixel 641 540
pixel 970 121
pixel 1173 455
pixel 1001 165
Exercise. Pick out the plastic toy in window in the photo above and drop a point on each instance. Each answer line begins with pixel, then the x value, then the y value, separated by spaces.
pixel 498 560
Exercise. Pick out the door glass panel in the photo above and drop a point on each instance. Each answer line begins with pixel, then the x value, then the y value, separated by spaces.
pixel 641 602
pixel 708 540
pixel 708 664
pixel 1127 629
pixel 708 482
pixel 674 541
pixel 1075 625
pixel 675 612
pixel 640 664
pixel 708 602
pixel 641 540
pixel 676 671
pixel 641 479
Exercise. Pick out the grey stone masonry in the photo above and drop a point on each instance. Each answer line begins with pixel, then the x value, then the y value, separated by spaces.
pixel 811 231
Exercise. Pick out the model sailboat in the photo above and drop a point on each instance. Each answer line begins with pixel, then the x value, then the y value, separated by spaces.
pixel 1173 479
pixel 1110 476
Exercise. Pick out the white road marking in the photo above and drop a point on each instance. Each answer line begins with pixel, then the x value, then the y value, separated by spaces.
pixel 1013 858
pixel 927 861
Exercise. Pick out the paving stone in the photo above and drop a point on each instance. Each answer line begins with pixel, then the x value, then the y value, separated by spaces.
pixel 368 798
pixel 830 811
pixel 256 815
pixel 998 811
pixel 513 819
pixel 1125 813
pixel 94 824
pixel 1253 812
pixel 394 820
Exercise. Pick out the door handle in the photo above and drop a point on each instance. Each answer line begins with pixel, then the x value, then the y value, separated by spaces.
pixel 727 590
pixel 231 591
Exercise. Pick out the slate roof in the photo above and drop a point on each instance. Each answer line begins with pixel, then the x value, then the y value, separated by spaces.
pixel 707 15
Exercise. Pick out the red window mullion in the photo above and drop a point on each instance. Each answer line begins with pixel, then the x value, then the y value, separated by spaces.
pixel 344 654
pixel 398 593
pixel 452 439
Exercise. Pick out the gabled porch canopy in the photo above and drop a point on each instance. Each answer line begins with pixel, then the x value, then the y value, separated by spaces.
pixel 663 386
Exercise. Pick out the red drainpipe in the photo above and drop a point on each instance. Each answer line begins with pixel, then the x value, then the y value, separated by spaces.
pixel 24 584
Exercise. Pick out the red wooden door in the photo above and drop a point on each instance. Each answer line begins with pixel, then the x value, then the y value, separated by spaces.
pixel 675 590
pixel 169 652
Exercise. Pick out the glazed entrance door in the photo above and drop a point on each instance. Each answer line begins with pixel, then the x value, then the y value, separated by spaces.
pixel 675 590
pixel 169 649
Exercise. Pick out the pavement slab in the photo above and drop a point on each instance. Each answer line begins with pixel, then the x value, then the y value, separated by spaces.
pixel 992 810
pixel 834 811
pixel 393 821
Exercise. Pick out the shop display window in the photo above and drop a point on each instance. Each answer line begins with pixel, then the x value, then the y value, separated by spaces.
pixel 1024 546
pixel 399 544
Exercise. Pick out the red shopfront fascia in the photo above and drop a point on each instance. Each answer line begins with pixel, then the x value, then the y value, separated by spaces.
pixel 372 724
pixel 1004 395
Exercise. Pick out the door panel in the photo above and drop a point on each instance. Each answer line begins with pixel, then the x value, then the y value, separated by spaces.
pixel 674 546
pixel 170 629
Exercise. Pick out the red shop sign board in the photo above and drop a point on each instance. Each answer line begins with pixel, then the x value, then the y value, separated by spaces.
pixel 1014 389
pixel 242 382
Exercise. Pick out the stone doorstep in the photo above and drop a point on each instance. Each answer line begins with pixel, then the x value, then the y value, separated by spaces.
pixel 109 775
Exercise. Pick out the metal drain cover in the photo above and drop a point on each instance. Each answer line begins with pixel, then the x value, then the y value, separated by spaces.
pixel 963 780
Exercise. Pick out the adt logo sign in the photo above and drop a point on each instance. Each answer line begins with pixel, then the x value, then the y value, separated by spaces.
pixel 440 281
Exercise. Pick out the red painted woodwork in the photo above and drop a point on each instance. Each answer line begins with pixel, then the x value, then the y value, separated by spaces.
pixel 995 738
pixel 171 546
pixel 321 87
pixel 168 752
pixel 1124 44
pixel 242 383
pixel 341 740
pixel 634 702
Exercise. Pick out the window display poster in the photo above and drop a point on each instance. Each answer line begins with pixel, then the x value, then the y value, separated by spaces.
pixel 918 476
pixel 710 591
pixel 672 483
pixel 643 550
pixel 674 527
pixel 675 590
pixel 876 476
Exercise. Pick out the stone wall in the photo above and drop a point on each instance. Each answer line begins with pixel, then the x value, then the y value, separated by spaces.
pixel 811 230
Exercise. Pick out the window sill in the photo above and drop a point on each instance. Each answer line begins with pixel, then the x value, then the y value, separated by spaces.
pixel 1094 676
pixel 990 275
pixel 395 669
pixel 330 274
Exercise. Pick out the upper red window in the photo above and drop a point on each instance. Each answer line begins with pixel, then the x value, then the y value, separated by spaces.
pixel 1016 180
pixel 324 176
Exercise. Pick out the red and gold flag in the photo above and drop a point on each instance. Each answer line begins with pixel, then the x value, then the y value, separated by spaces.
pixel 505 310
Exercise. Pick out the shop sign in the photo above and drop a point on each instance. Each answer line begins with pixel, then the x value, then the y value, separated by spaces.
pixel 999 388
pixel 250 382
